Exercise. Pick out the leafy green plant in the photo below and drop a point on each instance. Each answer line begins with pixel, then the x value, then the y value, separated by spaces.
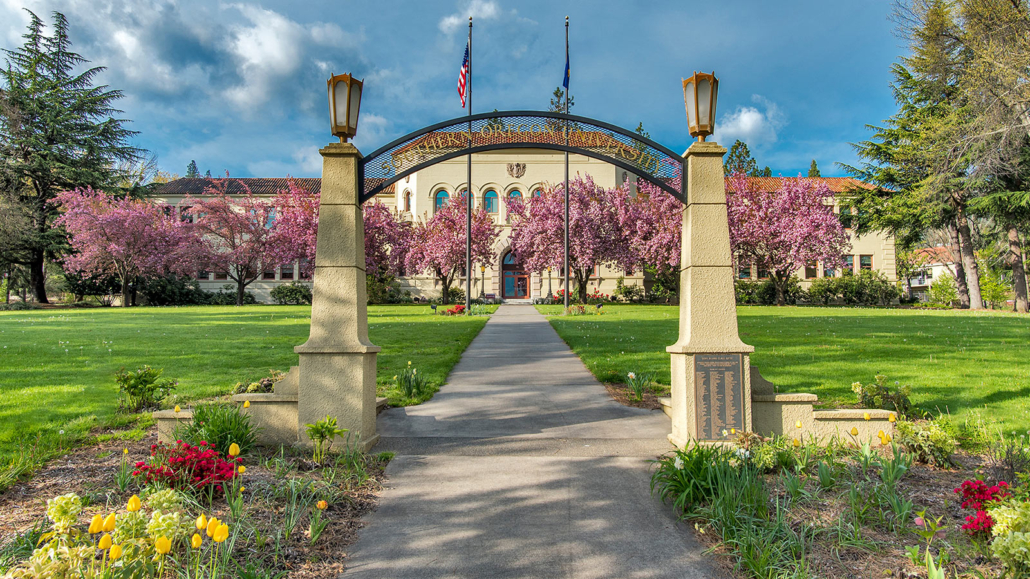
pixel 220 425
pixel 864 456
pixel 411 383
pixel 316 524
pixel 881 395
pixel 900 507
pixel 927 441
pixel 686 478
pixel 827 478
pixel 292 294
pixel 1009 456
pixel 322 434
pixel 637 384
pixel 20 547
pixel 298 498
pixel 894 468
pixel 141 390
pixel 794 484
pixel 123 478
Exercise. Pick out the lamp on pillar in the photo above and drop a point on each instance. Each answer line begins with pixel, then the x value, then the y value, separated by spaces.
pixel 482 287
pixel 344 104
pixel 700 93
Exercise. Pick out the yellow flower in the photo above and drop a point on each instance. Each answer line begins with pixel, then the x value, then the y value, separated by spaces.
pixel 196 540
pixel 322 505
pixel 798 424
pixel 134 504
pixel 221 533
pixel 246 403
pixel 243 469
pixel 162 545
pixel 891 417
pixel 415 371
pixel 125 451
pixel 880 434
pixel 177 409
pixel 854 431
pixel 212 524
pixel 797 442
pixel 234 449
pixel 109 523
pixel 394 377
pixel 105 542
pixel 201 522
pixel 409 362
pixel 865 415
pixel 243 489
pixel 116 552
pixel 96 525
pixel 887 438
pixel 733 431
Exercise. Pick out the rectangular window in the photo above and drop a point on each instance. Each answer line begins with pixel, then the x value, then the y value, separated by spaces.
pixel 184 214
pixel 305 272
pixel 270 219
pixel 221 276
pixel 846 218
pixel 865 262
pixel 849 263
pixel 763 273
pixel 811 271
pixel 286 271
pixel 829 272
pixel 929 274
pixel 744 272
pixel 203 275
pixel 268 275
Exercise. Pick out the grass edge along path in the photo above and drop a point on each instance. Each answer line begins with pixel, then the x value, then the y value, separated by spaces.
pixel 958 362
pixel 57 366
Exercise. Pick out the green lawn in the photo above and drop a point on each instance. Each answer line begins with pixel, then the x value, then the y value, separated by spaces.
pixel 57 366
pixel 955 361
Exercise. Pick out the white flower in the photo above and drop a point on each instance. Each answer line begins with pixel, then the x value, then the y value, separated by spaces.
pixel 632 376
pixel 678 463
pixel 60 432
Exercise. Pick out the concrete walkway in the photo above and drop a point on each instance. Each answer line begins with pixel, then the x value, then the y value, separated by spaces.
pixel 522 466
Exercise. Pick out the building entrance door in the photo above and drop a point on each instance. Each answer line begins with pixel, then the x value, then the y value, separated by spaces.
pixel 514 281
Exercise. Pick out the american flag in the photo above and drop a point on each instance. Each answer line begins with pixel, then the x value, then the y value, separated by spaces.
pixel 463 75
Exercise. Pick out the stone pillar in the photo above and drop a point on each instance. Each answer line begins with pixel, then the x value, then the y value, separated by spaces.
pixel 338 362
pixel 711 384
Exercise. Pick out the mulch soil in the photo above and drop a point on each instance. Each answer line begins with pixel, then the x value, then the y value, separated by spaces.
pixel 623 395
pixel 90 472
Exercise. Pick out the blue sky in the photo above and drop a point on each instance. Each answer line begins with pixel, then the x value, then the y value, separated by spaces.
pixel 241 86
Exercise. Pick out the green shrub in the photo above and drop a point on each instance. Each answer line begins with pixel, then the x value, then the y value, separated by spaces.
pixel 943 291
pixel 141 390
pixel 763 292
pixel 322 433
pixel 411 383
pixel 927 441
pixel 173 290
pixel 385 289
pixel 824 290
pixel 292 294
pixel 687 478
pixel 866 288
pixel 885 397
pixel 227 297
pixel 220 425
pixel 627 293
pixel 456 295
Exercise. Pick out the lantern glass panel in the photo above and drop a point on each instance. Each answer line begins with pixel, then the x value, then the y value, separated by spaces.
pixel 341 103
pixel 689 99
pixel 704 101
pixel 715 101
pixel 332 106
pixel 355 103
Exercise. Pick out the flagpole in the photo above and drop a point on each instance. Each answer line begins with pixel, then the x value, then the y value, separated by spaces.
pixel 567 289
pixel 468 189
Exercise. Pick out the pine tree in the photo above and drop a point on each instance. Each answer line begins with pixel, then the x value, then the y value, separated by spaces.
pixel 813 171
pixel 207 174
pixel 767 172
pixel 557 104
pixel 57 133
pixel 191 170
pixel 739 160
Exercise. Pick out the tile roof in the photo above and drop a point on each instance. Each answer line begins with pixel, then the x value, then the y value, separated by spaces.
pixel 939 254
pixel 836 184
pixel 257 186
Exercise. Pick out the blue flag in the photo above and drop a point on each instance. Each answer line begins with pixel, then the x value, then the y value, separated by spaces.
pixel 565 83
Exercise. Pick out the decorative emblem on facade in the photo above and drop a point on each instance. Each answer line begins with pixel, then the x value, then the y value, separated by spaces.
pixel 516 170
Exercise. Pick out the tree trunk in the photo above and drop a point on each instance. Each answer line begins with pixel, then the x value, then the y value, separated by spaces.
pixel 445 298
pixel 1018 273
pixel 37 278
pixel 969 263
pixel 240 289
pixel 125 292
pixel 7 286
pixel 960 271
pixel 779 282
pixel 581 281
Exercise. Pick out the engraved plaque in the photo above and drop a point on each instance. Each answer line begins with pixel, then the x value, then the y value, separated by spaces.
pixel 719 395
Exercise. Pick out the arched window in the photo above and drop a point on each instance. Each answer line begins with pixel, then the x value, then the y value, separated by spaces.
pixel 490 201
pixel 515 193
pixel 407 201
pixel 441 199
pixel 537 193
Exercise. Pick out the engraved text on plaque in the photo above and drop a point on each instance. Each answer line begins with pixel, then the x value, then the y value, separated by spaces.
pixel 719 395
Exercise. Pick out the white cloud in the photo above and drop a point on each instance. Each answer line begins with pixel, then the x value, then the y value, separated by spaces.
pixel 485 9
pixel 755 125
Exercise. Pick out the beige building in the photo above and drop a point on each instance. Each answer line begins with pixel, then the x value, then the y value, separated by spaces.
pixel 497 175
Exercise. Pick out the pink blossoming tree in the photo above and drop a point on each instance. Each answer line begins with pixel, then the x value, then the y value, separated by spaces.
pixel 387 241
pixel 239 234
pixel 653 220
pixel 296 224
pixel 781 231
pixel 127 238
pixel 438 244
pixel 596 236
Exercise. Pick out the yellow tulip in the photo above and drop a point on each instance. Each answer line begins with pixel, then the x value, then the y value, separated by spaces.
pixel 134 504
pixel 96 525
pixel 221 533
pixel 234 449
pixel 177 409
pixel 243 489
pixel 865 415
pixel 891 417
pixel 243 469
pixel 322 505
pixel 880 434
pixel 125 451
pixel 797 442
pixel 246 403
pixel 162 545
pixel 109 523
pixel 798 424
pixel 116 552
pixel 887 438
pixel 212 524
pixel 105 542
pixel 854 431
pixel 201 522
pixel 409 362
pixel 196 540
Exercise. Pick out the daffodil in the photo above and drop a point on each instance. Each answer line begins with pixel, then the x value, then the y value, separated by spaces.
pixel 201 522
pixel 234 449
pixel 109 523
pixel 105 542
pixel 162 545
pixel 96 525
pixel 246 403
pixel 134 504
pixel 116 552
pixel 221 533
pixel 322 505
pixel 242 469
pixel 212 524
pixel 196 541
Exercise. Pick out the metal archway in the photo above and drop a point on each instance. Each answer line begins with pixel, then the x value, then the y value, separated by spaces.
pixel 522 130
